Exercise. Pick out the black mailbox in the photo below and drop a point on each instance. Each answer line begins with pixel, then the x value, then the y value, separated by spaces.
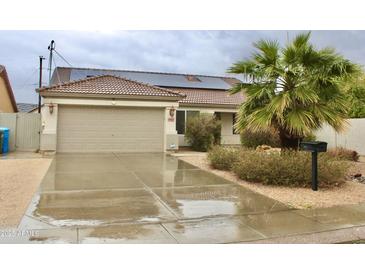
pixel 314 146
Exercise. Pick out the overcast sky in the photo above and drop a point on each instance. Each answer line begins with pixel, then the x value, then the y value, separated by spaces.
pixel 201 52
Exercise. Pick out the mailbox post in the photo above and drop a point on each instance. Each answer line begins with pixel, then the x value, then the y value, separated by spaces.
pixel 314 147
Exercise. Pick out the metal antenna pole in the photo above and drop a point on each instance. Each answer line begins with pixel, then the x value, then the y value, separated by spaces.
pixel 41 58
pixel 51 48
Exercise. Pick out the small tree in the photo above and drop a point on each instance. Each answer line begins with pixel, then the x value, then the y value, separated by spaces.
pixel 203 131
pixel 295 89
pixel 355 93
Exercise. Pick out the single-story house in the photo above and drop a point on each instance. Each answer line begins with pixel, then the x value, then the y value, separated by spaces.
pixel 7 99
pixel 95 110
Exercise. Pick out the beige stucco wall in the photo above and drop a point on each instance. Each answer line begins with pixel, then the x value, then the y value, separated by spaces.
pixel 48 140
pixel 5 103
pixel 49 121
pixel 352 138
pixel 171 137
pixel 228 138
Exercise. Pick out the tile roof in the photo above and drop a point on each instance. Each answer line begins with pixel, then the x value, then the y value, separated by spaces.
pixel 26 107
pixel 211 97
pixel 110 85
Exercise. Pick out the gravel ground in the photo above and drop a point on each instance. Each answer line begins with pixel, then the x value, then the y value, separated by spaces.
pixel 19 180
pixel 349 193
pixel 358 167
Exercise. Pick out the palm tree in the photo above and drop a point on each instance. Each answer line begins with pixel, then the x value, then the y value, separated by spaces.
pixel 294 90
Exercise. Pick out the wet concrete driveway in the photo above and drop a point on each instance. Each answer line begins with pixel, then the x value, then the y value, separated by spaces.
pixel 150 198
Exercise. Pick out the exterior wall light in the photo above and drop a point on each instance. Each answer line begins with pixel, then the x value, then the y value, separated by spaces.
pixel 50 108
pixel 171 114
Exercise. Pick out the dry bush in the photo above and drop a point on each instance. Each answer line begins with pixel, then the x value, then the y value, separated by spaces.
pixel 202 132
pixel 289 169
pixel 223 157
pixel 342 153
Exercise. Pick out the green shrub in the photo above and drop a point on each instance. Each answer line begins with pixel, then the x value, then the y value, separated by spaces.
pixel 289 168
pixel 254 139
pixel 223 158
pixel 202 131
pixel 342 153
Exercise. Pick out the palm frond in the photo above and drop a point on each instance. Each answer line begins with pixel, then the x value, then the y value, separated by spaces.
pixel 243 67
pixel 239 87
pixel 268 52
pixel 301 40
pixel 261 91
pixel 305 95
pixel 259 120
pixel 279 104
pixel 299 121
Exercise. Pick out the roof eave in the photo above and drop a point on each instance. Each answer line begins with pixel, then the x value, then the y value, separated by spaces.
pixel 209 105
pixel 111 96
pixel 185 87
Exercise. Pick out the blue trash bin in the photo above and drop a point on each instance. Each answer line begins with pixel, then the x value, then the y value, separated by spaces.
pixel 5 146
pixel 1 142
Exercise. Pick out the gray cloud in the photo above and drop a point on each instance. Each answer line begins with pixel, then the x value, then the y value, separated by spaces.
pixel 203 52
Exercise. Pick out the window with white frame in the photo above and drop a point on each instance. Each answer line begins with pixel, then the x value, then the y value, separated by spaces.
pixel 182 116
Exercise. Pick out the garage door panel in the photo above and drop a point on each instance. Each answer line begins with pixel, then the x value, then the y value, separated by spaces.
pixel 94 129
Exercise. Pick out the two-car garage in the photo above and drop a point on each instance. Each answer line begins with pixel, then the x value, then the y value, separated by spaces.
pixel 108 129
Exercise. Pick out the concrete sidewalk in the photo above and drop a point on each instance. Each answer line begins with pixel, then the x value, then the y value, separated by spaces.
pixel 274 228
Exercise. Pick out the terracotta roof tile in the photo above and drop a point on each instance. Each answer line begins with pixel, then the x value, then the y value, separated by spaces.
pixel 109 85
pixel 212 97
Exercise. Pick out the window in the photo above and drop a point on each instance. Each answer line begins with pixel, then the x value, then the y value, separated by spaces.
pixel 190 114
pixel 181 117
pixel 180 121
pixel 234 120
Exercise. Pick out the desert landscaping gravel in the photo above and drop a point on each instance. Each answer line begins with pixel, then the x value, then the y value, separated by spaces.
pixel 349 193
pixel 19 180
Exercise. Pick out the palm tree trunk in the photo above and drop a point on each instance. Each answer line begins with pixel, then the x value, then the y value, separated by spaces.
pixel 288 141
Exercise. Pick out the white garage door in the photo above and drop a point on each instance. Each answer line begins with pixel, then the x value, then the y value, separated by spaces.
pixel 108 129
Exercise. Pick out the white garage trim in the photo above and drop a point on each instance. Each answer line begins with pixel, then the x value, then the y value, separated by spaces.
pixel 110 129
pixel 109 102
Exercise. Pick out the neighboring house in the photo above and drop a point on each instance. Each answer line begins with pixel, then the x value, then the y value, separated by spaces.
pixel 7 99
pixel 117 110
pixel 27 107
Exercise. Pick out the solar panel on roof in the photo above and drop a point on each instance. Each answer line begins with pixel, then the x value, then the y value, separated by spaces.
pixel 156 79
